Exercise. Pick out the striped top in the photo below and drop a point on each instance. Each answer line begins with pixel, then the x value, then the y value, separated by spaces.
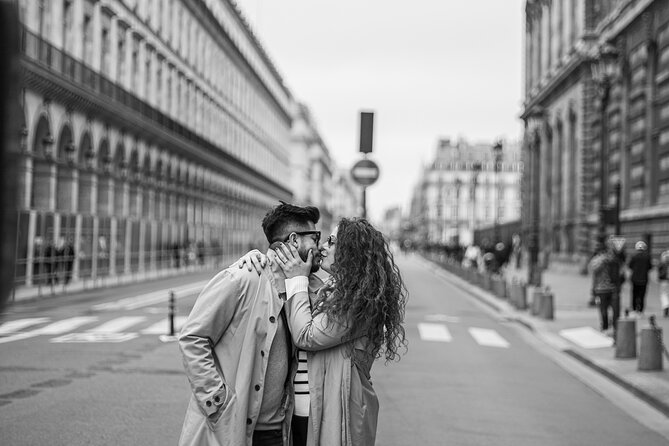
pixel 301 383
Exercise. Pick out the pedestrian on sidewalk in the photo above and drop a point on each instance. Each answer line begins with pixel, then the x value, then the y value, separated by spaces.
pixel 236 347
pixel 639 265
pixel 605 275
pixel 663 277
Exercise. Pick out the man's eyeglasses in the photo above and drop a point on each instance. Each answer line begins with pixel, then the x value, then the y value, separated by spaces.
pixel 331 240
pixel 316 233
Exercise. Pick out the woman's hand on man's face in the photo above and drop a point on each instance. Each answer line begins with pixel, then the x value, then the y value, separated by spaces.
pixel 291 263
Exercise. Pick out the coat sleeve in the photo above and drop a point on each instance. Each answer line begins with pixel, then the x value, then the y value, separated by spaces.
pixel 313 332
pixel 208 320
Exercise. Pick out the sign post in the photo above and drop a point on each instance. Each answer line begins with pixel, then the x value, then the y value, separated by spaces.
pixel 365 172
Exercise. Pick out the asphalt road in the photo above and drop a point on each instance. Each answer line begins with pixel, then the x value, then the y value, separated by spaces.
pixel 468 377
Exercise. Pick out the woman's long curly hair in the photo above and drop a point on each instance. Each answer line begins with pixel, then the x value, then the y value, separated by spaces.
pixel 367 291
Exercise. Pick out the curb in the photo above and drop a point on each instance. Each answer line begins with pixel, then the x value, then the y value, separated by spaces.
pixel 544 335
pixel 659 405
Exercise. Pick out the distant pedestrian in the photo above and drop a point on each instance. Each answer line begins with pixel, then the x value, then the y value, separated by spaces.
pixel 68 256
pixel 605 267
pixel 639 265
pixel 663 277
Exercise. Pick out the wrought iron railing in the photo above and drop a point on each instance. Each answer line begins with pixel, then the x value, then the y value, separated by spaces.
pixel 47 55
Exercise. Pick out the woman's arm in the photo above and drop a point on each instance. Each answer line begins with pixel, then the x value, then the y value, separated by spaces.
pixel 312 332
pixel 309 332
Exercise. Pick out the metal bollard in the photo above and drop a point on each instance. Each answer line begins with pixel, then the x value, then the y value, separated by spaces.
pixel 626 337
pixel 650 348
pixel 546 305
pixel 521 297
pixel 537 297
pixel 171 313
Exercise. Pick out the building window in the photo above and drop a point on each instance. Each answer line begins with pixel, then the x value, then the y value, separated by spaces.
pixel 121 50
pixel 105 61
pixel 88 32
pixel 159 82
pixel 134 83
pixel 44 18
pixel 67 26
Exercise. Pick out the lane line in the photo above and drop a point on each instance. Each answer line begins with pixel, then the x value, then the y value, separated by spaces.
pixel 488 338
pixel 117 325
pixel 434 332
pixel 19 324
pixel 163 327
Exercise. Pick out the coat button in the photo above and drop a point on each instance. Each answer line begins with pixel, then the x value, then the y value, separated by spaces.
pixel 272 319
pixel 257 387
pixel 217 399
pixel 262 353
pixel 208 403
pixel 249 421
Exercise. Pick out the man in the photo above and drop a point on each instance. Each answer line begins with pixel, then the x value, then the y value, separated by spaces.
pixel 604 266
pixel 236 347
pixel 639 265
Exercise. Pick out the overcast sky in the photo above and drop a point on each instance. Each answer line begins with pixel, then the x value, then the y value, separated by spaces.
pixel 427 68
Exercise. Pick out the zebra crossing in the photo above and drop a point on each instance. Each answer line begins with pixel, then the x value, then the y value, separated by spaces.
pixel 80 329
pixel 439 332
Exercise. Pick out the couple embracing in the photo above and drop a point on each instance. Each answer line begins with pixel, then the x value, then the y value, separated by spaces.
pixel 275 356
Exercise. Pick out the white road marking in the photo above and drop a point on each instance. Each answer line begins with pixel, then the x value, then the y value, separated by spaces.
pixel 163 327
pixel 143 300
pixel 586 337
pixel 94 337
pixel 117 325
pixel 488 338
pixel 434 332
pixel 19 324
pixel 56 328
pixel 441 318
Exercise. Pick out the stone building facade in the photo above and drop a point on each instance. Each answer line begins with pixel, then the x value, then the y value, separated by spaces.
pixel 563 122
pixel 156 135
pixel 464 189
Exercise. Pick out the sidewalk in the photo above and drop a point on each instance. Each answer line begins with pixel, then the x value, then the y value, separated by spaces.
pixel 571 292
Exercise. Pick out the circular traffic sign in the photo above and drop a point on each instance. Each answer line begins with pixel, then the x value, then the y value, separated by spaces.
pixel 365 172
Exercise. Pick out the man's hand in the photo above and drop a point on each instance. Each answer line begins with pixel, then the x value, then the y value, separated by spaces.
pixel 254 260
pixel 291 263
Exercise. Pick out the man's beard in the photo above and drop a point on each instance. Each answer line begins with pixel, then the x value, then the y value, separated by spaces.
pixel 316 259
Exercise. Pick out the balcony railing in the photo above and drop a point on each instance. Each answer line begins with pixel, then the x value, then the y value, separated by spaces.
pixel 47 55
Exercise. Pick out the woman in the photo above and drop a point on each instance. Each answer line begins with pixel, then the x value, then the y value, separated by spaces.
pixel 356 317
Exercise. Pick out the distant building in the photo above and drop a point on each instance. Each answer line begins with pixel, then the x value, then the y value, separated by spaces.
pixel 311 171
pixel 346 195
pixel 462 189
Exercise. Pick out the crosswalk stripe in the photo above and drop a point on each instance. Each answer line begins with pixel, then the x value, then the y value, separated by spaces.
pixel 19 324
pixel 163 327
pixel 488 338
pixel 55 328
pixel 586 337
pixel 66 325
pixel 117 325
pixel 434 332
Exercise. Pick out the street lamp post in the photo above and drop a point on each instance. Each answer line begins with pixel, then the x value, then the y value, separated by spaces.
pixel 476 168
pixel 604 69
pixel 497 159
pixel 458 185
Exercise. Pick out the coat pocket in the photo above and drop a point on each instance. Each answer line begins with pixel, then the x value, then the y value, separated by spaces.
pixel 225 415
